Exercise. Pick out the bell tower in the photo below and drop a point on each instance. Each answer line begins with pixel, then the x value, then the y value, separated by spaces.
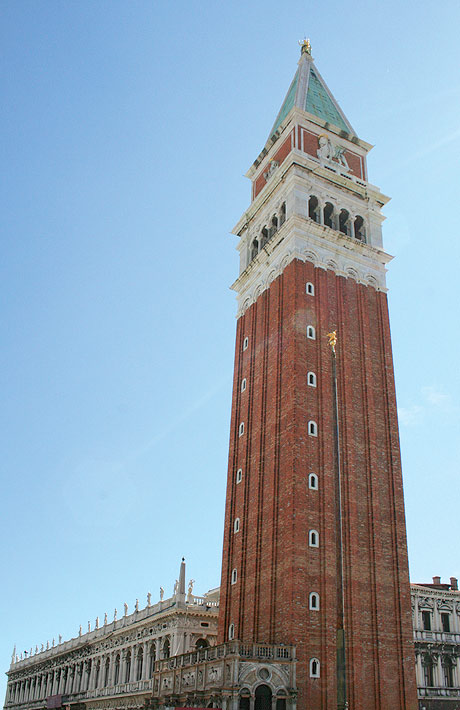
pixel 315 543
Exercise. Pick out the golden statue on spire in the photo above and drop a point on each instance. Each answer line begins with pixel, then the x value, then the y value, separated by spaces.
pixel 305 46
pixel 332 340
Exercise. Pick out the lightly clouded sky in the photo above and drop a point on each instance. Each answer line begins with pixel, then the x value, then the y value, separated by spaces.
pixel 126 130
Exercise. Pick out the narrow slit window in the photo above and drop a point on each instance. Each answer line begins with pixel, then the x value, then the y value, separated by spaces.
pixel 243 384
pixel 239 475
pixel 309 289
pixel 231 632
pixel 245 343
pixel 314 668
pixel 313 538
pixel 313 481
pixel 311 379
pixel 314 601
pixel 312 428
pixel 236 525
pixel 311 332
pixel 241 429
pixel 234 576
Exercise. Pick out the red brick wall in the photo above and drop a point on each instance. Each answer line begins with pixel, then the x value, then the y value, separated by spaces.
pixel 280 155
pixel 276 568
pixel 310 146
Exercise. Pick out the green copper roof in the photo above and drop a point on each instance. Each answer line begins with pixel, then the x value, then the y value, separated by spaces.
pixel 288 103
pixel 320 104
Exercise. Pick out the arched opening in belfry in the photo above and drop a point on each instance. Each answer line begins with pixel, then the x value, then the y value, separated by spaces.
pixel 202 643
pixel 313 208
pixel 274 225
pixel 254 249
pixel 263 698
pixel 360 232
pixel 329 215
pixel 344 222
pixel 166 649
pixel 282 213
pixel 264 237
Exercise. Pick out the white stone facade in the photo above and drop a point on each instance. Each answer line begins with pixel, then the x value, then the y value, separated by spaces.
pixel 113 665
pixel 436 622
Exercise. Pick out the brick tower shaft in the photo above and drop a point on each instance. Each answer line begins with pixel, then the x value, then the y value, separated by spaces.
pixel 315 552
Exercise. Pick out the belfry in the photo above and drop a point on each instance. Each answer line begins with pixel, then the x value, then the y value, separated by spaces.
pixel 315 550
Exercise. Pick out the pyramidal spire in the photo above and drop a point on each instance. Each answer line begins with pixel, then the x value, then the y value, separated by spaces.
pixel 309 92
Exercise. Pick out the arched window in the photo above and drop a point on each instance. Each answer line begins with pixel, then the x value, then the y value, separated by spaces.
pixel 313 208
pixel 231 632
pixel 311 332
pixel 313 538
pixel 448 672
pixel 202 643
pixel 314 668
pixel 239 475
pixel 344 222
pixel 127 666
pixel 329 217
pixel 428 671
pixel 236 525
pixel 282 213
pixel 96 677
pixel 245 343
pixel 360 231
pixel 309 289
pixel 243 384
pixel 263 698
pixel 314 601
pixel 313 481
pixel 311 379
pixel 234 576
pixel 241 429
pixel 106 672
pixel 140 663
pixel 151 659
pixel 116 673
pixel 89 667
pixel 254 249
pixel 166 649
pixel 312 428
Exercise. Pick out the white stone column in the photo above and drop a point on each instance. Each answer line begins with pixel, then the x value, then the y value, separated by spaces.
pixel 146 660
pixel 420 679
pixel 132 675
pixel 92 674
pixel 438 676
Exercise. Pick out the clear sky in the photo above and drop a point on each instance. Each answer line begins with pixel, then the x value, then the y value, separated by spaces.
pixel 126 128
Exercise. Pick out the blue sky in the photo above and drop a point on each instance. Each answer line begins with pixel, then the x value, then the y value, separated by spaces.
pixel 126 129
